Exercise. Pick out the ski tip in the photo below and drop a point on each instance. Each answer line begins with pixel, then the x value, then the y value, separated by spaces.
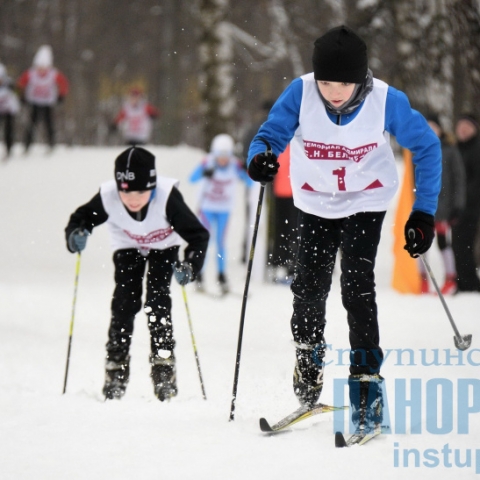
pixel 264 426
pixel 340 440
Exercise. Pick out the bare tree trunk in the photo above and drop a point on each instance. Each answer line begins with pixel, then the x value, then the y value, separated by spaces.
pixel 216 78
pixel 465 17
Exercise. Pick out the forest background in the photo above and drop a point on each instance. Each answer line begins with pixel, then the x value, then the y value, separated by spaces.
pixel 209 65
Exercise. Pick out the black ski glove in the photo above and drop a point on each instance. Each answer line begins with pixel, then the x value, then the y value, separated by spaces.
pixel 263 167
pixel 183 272
pixel 419 233
pixel 208 172
pixel 77 240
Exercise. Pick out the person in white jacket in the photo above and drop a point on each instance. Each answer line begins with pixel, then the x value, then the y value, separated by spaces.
pixel 218 172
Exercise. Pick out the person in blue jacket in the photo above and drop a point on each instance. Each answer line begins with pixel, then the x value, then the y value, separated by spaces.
pixel 218 174
pixel 338 120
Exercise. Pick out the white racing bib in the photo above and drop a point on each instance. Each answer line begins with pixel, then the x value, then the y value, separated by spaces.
pixel 137 124
pixel 154 232
pixel 8 102
pixel 218 193
pixel 339 170
pixel 42 89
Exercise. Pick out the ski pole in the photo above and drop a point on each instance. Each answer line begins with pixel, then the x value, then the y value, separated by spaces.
pixel 461 342
pixel 77 272
pixel 193 342
pixel 245 293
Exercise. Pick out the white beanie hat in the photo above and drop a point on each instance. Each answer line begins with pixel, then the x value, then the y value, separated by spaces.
pixel 222 144
pixel 43 57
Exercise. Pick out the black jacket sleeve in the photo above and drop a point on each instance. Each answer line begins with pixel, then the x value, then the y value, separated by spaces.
pixel 87 216
pixel 187 225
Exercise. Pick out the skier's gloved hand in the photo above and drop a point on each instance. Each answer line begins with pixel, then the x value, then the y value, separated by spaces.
pixel 183 272
pixel 77 240
pixel 263 167
pixel 208 172
pixel 419 233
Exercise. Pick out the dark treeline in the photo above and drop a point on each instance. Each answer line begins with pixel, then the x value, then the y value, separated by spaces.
pixel 209 64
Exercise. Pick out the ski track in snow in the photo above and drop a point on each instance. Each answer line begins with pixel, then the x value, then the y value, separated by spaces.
pixel 47 435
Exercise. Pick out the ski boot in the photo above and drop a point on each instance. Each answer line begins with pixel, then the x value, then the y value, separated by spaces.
pixel 366 399
pixel 222 281
pixel 308 373
pixel 164 376
pixel 117 374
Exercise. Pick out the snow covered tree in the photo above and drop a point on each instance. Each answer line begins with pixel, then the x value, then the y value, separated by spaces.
pixel 218 39
pixel 210 67
pixel 465 24
pixel 216 78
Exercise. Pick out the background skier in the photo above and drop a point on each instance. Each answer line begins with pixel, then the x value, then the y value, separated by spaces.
pixel 9 107
pixel 218 172
pixel 42 87
pixel 135 119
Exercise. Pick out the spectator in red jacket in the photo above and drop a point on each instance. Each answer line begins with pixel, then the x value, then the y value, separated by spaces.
pixel 42 87
pixel 135 118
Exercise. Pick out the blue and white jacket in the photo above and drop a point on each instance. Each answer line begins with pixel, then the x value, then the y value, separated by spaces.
pixel 300 102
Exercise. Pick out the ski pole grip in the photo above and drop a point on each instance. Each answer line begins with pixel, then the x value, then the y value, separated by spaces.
pixel 268 150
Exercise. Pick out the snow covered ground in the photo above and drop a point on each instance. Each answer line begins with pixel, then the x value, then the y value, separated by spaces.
pixel 47 435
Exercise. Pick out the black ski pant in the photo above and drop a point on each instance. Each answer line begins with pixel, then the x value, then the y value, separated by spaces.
pixel 464 234
pixel 37 113
pixel 357 237
pixel 130 268
pixel 9 126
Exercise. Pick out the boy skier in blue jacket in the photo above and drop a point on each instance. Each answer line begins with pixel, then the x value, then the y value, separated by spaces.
pixel 337 120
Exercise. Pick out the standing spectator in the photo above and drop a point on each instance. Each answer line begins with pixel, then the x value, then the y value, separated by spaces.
pixel 219 171
pixel 135 118
pixel 451 203
pixel 283 223
pixel 464 232
pixel 42 87
pixel 9 107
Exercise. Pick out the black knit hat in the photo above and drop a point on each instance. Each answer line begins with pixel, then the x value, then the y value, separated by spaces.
pixel 471 117
pixel 135 170
pixel 340 56
pixel 433 117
